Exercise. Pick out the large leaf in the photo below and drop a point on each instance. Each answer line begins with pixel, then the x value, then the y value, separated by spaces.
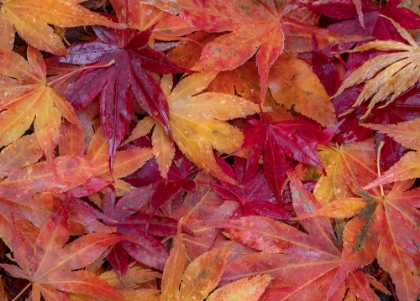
pixel 386 227
pixel 254 28
pixel 31 20
pixel 27 99
pixel 198 121
pixel 50 265
pixel 302 265
pixel 119 84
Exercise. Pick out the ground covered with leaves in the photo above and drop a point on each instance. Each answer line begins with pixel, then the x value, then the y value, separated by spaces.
pixel 209 150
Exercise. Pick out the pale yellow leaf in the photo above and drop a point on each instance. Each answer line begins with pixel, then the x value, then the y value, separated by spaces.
pixel 198 122
pixel 387 75
pixel 243 289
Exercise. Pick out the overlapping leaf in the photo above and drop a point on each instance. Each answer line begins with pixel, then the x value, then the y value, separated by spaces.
pixel 50 264
pixel 302 266
pixel 198 121
pixel 385 227
pixel 349 167
pixel 119 84
pixel 387 75
pixel 130 219
pixel 125 161
pixel 31 21
pixel 296 139
pixel 408 166
pixel 202 275
pixel 142 17
pixel 293 84
pixel 254 28
pixel 26 98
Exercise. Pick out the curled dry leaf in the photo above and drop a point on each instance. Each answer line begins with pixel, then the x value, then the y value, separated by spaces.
pixel 387 75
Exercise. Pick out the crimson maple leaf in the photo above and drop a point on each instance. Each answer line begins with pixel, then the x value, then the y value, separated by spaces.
pixel 129 219
pixel 296 139
pixel 253 193
pixel 119 84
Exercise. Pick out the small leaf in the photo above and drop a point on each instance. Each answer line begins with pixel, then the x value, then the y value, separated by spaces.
pixel 244 289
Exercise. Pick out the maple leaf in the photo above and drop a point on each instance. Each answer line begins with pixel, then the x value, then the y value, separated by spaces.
pixel 198 121
pixel 31 192
pixel 201 276
pixel 386 227
pixel 31 21
pixel 375 19
pixel 26 98
pixel 243 81
pixel 50 264
pixel 302 265
pixel 198 208
pixel 350 166
pixel 293 84
pixel 130 220
pixel 142 17
pixel 120 83
pixel 253 28
pixel 278 140
pixel 163 150
pixel 135 284
pixel 253 193
pixel 407 167
pixel 387 74
pixel 125 162
pixel 62 174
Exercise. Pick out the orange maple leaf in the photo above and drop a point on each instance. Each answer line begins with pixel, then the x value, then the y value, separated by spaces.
pixel 50 265
pixel 349 166
pixel 125 161
pixel 303 266
pixel 31 18
pixel 385 227
pixel 25 97
pixel 254 28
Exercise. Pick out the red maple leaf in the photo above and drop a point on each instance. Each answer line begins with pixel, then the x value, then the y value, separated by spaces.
pixel 294 139
pixel 127 79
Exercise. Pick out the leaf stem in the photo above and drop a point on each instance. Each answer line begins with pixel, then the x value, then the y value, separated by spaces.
pixel 22 291
pixel 378 165
pixel 81 69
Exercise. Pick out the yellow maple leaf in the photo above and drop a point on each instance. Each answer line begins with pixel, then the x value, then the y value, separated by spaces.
pixel 163 149
pixel 31 18
pixel 347 166
pixel 387 75
pixel 25 97
pixel 198 121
